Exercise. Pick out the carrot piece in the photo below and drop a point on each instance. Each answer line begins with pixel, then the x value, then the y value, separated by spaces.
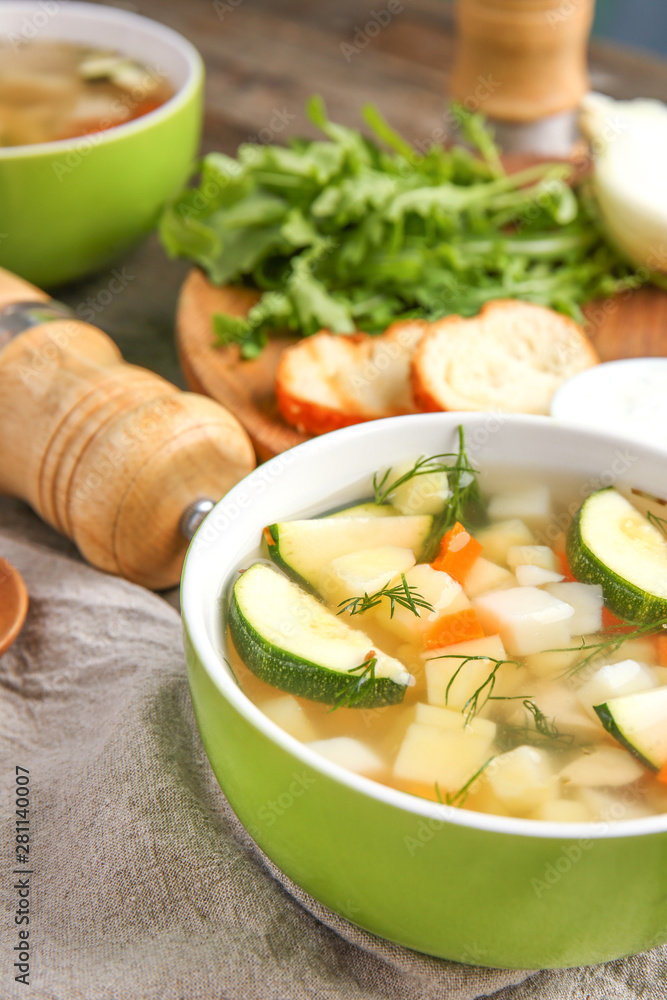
pixel 612 621
pixel 661 647
pixel 270 540
pixel 662 774
pixel 564 568
pixel 458 551
pixel 450 629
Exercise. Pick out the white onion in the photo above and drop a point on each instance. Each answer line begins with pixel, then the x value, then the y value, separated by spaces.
pixel 629 141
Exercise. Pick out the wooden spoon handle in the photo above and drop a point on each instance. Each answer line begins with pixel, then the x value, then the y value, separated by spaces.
pixel 521 60
pixel 108 453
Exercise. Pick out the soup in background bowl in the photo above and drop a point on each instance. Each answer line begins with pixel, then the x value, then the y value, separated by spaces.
pixel 56 90
pixel 496 890
pixel 72 205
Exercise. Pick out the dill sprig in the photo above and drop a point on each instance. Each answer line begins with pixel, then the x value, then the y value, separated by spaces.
pixel 465 502
pixel 354 690
pixel 544 728
pixel 612 641
pixel 403 594
pixel 543 725
pixel 464 505
pixel 232 672
pixel 658 522
pixel 383 487
pixel 514 735
pixel 459 797
pixel 543 731
pixel 484 692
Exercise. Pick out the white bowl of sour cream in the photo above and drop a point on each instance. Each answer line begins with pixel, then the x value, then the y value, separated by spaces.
pixel 627 397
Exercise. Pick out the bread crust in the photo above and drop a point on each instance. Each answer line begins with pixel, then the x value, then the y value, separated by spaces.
pixel 511 357
pixel 329 381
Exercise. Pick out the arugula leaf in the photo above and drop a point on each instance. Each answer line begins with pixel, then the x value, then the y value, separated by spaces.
pixel 385 133
pixel 409 233
pixel 474 129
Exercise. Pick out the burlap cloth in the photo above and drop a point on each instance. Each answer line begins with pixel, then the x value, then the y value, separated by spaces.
pixel 146 887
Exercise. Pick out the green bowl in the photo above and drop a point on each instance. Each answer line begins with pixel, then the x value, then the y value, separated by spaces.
pixel 481 889
pixel 71 207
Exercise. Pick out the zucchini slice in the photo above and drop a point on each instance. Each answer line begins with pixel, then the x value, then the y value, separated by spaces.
pixel 639 723
pixel 611 543
pixel 303 548
pixel 292 641
pixel 369 509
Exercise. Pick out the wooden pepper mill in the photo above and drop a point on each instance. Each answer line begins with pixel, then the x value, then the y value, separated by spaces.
pixel 111 455
pixel 522 63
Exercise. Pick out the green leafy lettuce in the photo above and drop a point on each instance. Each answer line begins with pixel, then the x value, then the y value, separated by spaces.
pixel 345 234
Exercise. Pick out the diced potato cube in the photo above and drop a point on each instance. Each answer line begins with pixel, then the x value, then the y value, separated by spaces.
pixel 528 620
pixel 563 811
pixel 483 799
pixel 532 505
pixel 554 662
pixel 586 599
pixel 499 538
pixel 656 796
pixel 444 594
pixel 363 572
pixel 437 587
pixel 411 656
pixel 532 555
pixel 287 713
pixel 450 757
pixel 440 669
pixel 606 807
pixel 425 494
pixel 349 753
pixel 522 779
pixel 535 576
pixel 431 715
pixel 603 767
pixel 635 649
pixel 613 680
pixel 660 674
pixel 485 575
pixel 511 681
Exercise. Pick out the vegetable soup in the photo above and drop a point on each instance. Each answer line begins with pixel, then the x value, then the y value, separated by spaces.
pixel 57 90
pixel 451 640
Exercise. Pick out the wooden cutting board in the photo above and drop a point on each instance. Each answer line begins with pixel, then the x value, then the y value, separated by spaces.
pixel 631 325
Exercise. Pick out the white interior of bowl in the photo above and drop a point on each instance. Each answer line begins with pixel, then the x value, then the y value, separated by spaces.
pixel 154 45
pixel 337 468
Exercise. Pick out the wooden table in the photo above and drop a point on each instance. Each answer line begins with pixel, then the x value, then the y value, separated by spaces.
pixel 263 59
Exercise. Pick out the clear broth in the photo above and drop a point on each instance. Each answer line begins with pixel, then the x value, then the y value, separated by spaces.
pixel 383 729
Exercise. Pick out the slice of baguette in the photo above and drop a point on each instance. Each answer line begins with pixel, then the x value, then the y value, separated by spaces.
pixel 332 380
pixel 510 358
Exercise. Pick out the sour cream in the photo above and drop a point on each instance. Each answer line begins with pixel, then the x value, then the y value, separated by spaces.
pixel 627 397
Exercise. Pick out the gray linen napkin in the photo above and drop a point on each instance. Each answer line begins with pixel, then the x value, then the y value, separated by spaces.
pixel 145 885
